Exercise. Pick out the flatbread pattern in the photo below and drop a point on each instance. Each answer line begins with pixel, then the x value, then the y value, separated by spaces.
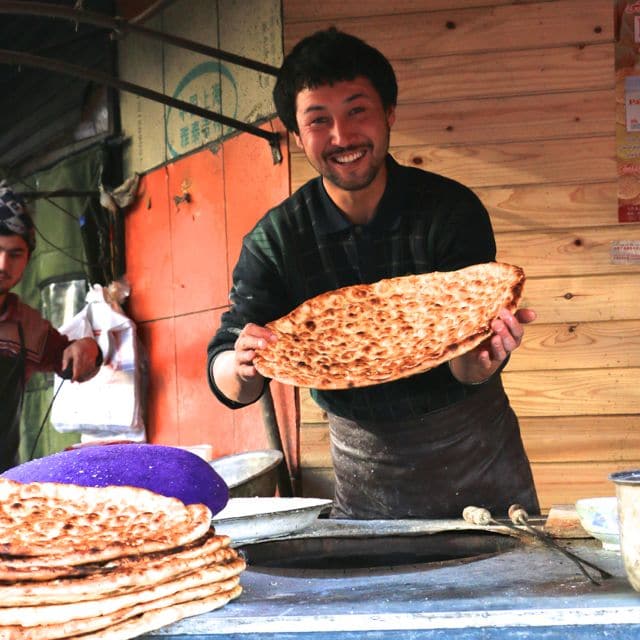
pixel 130 622
pixel 78 524
pixel 133 574
pixel 368 334
pixel 30 616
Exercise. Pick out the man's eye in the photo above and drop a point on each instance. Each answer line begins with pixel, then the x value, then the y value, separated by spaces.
pixel 357 110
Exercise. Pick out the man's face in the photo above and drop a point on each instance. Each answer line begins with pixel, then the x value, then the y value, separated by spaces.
pixel 14 255
pixel 344 132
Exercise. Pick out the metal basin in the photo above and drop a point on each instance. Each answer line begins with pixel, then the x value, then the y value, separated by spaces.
pixel 356 552
pixel 251 473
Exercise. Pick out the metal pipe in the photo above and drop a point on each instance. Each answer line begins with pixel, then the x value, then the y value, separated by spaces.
pixel 15 57
pixel 121 26
pixel 285 480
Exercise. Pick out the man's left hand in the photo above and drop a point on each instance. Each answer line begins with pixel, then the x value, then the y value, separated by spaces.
pixel 82 355
pixel 480 363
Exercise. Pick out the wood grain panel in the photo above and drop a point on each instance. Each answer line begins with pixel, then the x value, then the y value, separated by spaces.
pixel 582 298
pixel 573 392
pixel 489 74
pixel 556 483
pixel 610 439
pixel 599 439
pixel 585 345
pixel 575 252
pixel 551 206
pixel 497 28
pixel 304 11
pixel 565 483
pixel 581 161
pixel 505 119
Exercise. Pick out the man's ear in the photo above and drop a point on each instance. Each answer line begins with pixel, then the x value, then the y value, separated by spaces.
pixel 391 115
pixel 298 140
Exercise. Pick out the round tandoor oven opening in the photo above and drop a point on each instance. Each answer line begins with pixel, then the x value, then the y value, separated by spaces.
pixel 365 552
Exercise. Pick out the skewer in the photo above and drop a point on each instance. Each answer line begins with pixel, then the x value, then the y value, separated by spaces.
pixel 519 516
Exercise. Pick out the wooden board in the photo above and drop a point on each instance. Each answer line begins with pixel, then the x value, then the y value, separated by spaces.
pixel 490 74
pixel 582 298
pixel 501 119
pixel 304 11
pixel 570 253
pixel 473 29
pixel 546 207
pixel 587 345
pixel 574 392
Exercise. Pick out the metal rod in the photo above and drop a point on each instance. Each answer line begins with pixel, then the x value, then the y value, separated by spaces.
pixel 519 516
pixel 122 27
pixel 15 57
pixel 285 482
pixel 483 517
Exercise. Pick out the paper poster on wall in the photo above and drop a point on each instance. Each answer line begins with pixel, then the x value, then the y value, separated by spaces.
pixel 625 252
pixel 627 60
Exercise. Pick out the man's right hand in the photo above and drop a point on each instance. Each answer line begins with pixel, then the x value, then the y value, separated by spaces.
pixel 251 339
pixel 233 371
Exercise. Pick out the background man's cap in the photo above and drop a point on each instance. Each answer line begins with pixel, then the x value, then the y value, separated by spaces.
pixel 14 217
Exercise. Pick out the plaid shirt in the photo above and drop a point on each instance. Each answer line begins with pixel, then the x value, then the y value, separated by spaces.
pixel 306 246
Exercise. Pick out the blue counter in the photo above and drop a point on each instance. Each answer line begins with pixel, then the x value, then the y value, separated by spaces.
pixel 528 592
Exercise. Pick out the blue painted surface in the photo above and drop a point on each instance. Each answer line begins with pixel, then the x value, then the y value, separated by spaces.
pixel 528 593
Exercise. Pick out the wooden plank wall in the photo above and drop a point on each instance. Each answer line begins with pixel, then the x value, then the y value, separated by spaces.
pixel 516 99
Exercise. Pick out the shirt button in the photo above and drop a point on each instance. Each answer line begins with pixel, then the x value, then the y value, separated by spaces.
pixel 357 230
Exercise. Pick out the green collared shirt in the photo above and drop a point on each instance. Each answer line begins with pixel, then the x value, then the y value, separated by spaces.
pixel 306 246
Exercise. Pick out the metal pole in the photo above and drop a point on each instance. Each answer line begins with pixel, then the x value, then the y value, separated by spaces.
pixel 14 57
pixel 122 27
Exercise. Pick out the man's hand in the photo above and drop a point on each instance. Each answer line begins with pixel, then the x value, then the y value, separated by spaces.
pixel 233 371
pixel 480 363
pixel 251 338
pixel 81 357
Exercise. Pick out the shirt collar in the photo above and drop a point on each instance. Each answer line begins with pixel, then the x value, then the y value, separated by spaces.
pixel 388 214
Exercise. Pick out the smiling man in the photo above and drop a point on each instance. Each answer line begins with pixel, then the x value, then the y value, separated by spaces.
pixel 426 445
pixel 28 342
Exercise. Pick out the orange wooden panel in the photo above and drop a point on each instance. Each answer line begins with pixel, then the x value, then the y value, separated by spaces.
pixel 253 184
pixel 158 339
pixel 198 232
pixel 148 250
pixel 202 418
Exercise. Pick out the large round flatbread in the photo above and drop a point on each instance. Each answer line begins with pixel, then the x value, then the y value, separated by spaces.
pixel 367 334
pixel 135 620
pixel 37 569
pixel 31 616
pixel 129 574
pixel 89 524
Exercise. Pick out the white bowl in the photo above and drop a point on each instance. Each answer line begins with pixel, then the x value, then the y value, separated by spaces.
pixel 599 518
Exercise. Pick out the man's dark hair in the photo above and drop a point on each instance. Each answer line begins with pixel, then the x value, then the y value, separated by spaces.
pixel 327 57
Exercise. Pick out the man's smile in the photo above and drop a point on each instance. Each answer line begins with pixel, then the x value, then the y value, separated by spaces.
pixel 349 156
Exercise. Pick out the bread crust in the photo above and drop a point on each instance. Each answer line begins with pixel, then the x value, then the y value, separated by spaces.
pixel 397 327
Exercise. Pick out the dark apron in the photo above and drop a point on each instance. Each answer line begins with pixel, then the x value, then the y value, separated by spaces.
pixel 12 383
pixel 469 453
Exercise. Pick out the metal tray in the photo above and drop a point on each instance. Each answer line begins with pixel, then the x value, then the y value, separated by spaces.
pixel 253 519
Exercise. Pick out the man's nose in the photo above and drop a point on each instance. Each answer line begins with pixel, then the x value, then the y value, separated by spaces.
pixel 341 132
pixel 4 260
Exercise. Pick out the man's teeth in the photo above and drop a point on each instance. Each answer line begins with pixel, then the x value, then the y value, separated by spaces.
pixel 349 157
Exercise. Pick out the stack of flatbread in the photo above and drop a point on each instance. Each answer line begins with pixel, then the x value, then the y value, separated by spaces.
pixel 109 563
